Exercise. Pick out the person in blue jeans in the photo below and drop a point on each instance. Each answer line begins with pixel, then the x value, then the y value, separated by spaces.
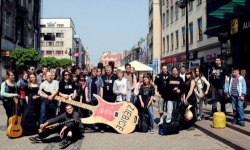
pixel 235 89
pixel 47 91
pixel 146 96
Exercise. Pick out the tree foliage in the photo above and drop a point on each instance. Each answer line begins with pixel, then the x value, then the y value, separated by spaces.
pixel 50 62
pixel 25 57
pixel 65 62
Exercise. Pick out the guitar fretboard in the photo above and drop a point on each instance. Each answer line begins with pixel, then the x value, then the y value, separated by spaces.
pixel 75 103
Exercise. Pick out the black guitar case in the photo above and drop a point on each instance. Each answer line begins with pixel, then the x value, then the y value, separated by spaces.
pixel 29 124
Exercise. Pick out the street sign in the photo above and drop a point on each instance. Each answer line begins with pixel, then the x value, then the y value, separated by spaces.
pixel 156 65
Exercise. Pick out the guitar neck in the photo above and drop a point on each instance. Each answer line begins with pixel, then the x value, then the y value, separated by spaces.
pixel 75 103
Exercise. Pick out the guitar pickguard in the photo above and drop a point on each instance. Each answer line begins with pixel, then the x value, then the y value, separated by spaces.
pixel 106 110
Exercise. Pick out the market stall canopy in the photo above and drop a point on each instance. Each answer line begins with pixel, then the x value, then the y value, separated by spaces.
pixel 138 66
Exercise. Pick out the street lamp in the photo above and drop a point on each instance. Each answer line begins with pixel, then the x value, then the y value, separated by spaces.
pixel 184 4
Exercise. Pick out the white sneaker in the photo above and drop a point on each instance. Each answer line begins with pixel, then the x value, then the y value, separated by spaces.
pixel 161 122
pixel 152 131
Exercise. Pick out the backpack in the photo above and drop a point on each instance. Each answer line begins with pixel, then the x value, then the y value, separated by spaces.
pixel 143 124
pixel 169 128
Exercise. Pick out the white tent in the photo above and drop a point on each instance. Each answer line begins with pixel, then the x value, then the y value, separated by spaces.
pixel 138 66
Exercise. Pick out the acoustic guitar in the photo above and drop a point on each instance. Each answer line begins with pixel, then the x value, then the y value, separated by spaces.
pixel 14 129
pixel 56 125
pixel 121 116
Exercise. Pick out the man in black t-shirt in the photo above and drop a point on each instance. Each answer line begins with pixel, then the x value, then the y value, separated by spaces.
pixel 160 90
pixel 67 89
pixel 109 79
pixel 218 76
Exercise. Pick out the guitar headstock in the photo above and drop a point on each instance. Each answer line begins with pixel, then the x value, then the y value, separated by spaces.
pixel 15 100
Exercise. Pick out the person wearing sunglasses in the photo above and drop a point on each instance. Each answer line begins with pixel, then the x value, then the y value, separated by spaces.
pixel 67 89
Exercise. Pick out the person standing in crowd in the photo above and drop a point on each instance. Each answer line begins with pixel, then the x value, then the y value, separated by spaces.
pixel 182 73
pixel 160 86
pixel 22 87
pixel 122 88
pixel 115 70
pixel 199 90
pixel 190 98
pixel 53 75
pixel 45 70
pixel 235 89
pixel 94 85
pixel 146 96
pixel 71 130
pixel 78 71
pixel 31 70
pixel 67 89
pixel 47 91
pixel 132 79
pixel 99 72
pixel 8 92
pixel 174 92
pixel 79 92
pixel 85 72
pixel 109 79
pixel 31 116
pixel 137 88
pixel 218 76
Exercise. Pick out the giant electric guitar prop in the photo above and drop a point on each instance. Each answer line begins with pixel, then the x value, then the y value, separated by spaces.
pixel 122 116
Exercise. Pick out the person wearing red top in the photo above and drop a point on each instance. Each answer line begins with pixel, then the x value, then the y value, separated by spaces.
pixel 22 86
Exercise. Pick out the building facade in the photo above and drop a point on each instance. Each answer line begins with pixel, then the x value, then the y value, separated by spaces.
pixel 155 33
pixel 107 57
pixel 202 48
pixel 59 39
pixel 20 20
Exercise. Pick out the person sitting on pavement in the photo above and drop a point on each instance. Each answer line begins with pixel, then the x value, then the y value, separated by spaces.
pixel 235 89
pixel 70 131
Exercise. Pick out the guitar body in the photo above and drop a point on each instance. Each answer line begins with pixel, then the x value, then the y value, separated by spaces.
pixel 14 129
pixel 121 116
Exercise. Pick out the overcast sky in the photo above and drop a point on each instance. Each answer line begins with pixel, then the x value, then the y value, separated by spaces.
pixel 103 25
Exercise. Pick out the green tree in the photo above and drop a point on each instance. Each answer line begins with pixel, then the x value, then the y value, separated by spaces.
pixel 25 57
pixel 65 62
pixel 50 62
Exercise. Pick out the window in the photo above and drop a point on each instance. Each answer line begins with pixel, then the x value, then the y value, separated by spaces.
pixel 42 43
pixel 183 36
pixel 35 40
pixel 49 43
pixel 167 17
pixel 172 41
pixel 167 43
pixel 163 40
pixel 183 11
pixel 42 34
pixel 59 35
pixel 20 2
pixel 50 33
pixel 42 26
pixel 191 33
pixel 190 5
pixel 7 18
pixel 60 25
pixel 172 14
pixel 163 21
pixel 177 39
pixel 200 37
pixel 199 2
pixel 176 11
pixel 59 52
pixel 50 25
pixel 163 2
pixel 59 43
pixel 19 31
pixel 48 52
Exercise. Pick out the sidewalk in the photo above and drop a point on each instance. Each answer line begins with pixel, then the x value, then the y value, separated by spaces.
pixel 106 141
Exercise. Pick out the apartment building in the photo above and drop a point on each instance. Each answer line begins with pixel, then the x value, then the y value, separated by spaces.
pixel 59 39
pixel 202 48
pixel 19 24
pixel 155 33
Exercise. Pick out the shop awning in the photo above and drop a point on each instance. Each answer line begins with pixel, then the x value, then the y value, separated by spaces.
pixel 138 66
pixel 213 31
pixel 232 9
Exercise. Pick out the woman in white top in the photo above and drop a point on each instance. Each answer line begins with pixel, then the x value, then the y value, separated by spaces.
pixel 199 90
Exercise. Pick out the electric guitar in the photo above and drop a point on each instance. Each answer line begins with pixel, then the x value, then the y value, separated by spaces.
pixel 121 116
pixel 14 129
pixel 56 125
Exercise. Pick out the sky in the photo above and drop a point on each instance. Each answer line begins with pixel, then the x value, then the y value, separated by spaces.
pixel 103 25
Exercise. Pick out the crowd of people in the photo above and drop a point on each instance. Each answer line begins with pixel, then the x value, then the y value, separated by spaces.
pixel 36 92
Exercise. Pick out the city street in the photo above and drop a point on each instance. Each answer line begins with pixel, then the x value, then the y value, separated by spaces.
pixel 110 140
